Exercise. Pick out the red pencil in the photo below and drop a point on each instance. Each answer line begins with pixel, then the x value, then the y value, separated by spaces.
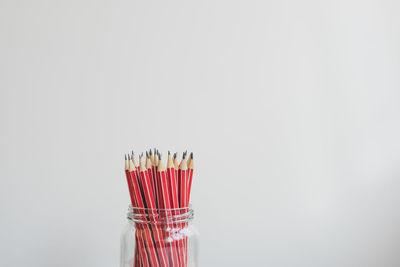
pixel 142 232
pixel 149 169
pixel 176 165
pixel 150 245
pixel 138 238
pixel 162 181
pixel 172 183
pixel 129 181
pixel 190 176
pixel 134 164
pixel 149 196
pixel 172 180
pixel 155 174
pixel 165 204
pixel 183 182
pixel 182 186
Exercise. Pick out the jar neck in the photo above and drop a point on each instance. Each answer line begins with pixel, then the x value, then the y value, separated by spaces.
pixel 160 216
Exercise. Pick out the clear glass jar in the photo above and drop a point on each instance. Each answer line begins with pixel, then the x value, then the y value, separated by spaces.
pixel 159 238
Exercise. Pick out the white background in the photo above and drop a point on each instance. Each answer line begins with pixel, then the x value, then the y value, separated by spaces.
pixel 291 107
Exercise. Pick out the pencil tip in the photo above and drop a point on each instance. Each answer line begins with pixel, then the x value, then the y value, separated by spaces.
pixel 125 156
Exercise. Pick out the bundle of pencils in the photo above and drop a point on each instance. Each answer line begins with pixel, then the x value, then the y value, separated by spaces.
pixel 155 189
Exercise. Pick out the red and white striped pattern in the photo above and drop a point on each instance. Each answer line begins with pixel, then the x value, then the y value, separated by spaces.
pixel 153 187
pixel 183 197
pixel 165 204
pixel 190 177
pixel 142 234
pixel 151 204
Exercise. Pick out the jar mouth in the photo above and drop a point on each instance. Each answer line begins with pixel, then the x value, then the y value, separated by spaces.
pixel 160 216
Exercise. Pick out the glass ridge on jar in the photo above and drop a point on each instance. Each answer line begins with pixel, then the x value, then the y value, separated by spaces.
pixel 159 238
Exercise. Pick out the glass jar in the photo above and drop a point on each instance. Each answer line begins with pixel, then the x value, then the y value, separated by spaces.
pixel 159 238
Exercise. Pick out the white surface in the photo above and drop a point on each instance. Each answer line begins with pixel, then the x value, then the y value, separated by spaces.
pixel 291 107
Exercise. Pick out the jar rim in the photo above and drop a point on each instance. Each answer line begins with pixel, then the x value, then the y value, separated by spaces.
pixel 133 209
pixel 159 216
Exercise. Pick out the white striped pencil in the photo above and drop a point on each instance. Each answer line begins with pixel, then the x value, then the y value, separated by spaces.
pixel 150 200
pixel 172 180
pixel 129 180
pixel 133 201
pixel 149 168
pixel 151 243
pixel 190 176
pixel 155 174
pixel 143 233
pixel 182 186
pixel 176 164
pixel 183 182
pixel 165 204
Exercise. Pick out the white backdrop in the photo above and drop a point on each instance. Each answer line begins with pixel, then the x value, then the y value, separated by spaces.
pixel 291 107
